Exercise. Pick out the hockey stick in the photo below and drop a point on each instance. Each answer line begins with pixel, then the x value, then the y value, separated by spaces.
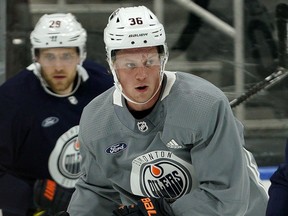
pixel 281 72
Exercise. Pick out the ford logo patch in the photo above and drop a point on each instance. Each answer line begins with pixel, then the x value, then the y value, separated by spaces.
pixel 116 148
pixel 49 121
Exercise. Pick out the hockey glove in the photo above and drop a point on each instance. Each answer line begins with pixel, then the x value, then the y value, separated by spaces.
pixel 51 197
pixel 146 207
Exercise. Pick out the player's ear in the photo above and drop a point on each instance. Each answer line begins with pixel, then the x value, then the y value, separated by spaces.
pixel 35 59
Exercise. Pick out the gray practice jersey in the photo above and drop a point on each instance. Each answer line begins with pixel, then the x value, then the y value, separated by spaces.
pixel 188 149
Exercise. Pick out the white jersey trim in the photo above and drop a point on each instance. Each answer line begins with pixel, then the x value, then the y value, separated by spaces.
pixel 171 78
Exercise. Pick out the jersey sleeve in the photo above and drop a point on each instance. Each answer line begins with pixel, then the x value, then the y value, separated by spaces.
pixel 105 199
pixel 11 133
pixel 10 125
pixel 220 166
pixel 278 190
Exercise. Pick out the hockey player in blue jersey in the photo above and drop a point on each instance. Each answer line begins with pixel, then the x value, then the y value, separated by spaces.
pixel 40 110
pixel 160 142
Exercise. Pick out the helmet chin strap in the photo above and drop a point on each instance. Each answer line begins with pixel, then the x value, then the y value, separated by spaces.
pixel 118 85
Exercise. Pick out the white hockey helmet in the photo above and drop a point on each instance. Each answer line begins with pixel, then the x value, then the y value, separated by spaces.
pixel 133 27
pixel 59 30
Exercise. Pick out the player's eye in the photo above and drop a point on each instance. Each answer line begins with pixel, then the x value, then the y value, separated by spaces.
pixel 49 57
pixel 67 56
pixel 149 63
pixel 130 65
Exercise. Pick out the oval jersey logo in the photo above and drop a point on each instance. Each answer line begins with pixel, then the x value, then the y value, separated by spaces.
pixel 116 148
pixel 49 121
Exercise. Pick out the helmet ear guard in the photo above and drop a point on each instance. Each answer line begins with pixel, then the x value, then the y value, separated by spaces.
pixel 59 30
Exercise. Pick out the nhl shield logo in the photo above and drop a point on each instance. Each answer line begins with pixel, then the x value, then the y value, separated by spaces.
pixel 142 126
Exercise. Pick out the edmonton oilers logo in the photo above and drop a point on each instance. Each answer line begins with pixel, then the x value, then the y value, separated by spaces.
pixel 64 161
pixel 69 159
pixel 165 179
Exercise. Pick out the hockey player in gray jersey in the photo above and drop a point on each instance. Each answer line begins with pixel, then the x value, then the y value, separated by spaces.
pixel 160 143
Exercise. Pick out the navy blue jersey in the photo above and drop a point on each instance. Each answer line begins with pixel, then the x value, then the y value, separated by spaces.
pixel 39 130
pixel 278 191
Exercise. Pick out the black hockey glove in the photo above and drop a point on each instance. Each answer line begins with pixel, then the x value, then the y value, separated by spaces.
pixel 146 207
pixel 51 197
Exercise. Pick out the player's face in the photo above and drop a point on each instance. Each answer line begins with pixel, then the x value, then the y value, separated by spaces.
pixel 59 68
pixel 138 71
